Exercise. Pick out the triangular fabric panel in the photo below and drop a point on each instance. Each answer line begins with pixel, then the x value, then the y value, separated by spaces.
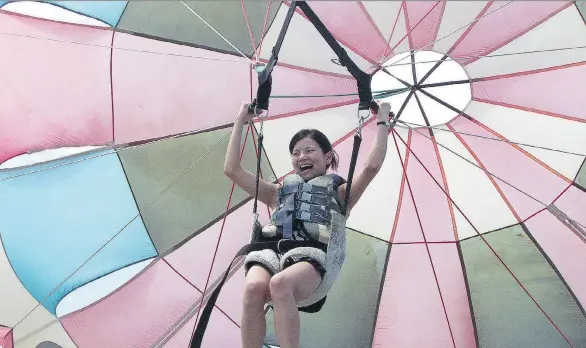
pixel 425 184
pixel 86 224
pixel 565 250
pixel 423 301
pixel 108 12
pixel 6 337
pixel 386 16
pixel 180 186
pixel 457 17
pixel 510 168
pixel 363 36
pixel 517 296
pixel 502 22
pixel 554 91
pixel 179 24
pixel 148 306
pixel 555 142
pixel 58 107
pixel 543 47
pixel 466 181
pixel 160 94
pixel 423 20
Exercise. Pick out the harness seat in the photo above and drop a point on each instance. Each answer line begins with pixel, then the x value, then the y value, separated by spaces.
pixel 308 211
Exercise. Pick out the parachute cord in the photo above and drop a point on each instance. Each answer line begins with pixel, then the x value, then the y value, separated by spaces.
pixel 115 150
pixel 480 235
pixel 262 38
pixel 140 212
pixel 493 175
pixel 489 138
pixel 217 32
pixel 253 63
pixel 445 36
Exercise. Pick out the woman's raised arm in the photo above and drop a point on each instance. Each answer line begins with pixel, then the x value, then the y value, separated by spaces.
pixel 267 192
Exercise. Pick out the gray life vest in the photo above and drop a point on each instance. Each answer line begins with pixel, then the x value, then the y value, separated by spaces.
pixel 304 209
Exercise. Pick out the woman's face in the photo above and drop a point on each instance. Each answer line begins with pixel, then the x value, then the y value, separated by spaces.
pixel 308 159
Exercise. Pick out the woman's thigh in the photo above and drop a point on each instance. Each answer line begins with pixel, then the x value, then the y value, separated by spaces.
pixel 302 277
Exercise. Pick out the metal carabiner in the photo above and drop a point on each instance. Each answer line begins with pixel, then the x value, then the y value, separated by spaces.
pixel 261 118
pixel 361 120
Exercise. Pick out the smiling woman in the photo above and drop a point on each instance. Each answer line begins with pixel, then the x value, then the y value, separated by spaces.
pixel 305 148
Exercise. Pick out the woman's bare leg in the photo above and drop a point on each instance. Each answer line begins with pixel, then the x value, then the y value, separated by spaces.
pixel 287 287
pixel 256 294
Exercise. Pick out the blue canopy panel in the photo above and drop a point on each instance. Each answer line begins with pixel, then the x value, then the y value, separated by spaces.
pixel 108 12
pixel 55 220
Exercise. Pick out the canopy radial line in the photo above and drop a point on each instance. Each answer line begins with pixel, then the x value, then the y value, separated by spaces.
pixel 451 33
pixel 488 245
pixel 489 138
pixel 410 190
pixel 140 211
pixel 215 31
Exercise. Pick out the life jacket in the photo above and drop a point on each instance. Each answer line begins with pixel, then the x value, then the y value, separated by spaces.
pixel 304 209
pixel 310 209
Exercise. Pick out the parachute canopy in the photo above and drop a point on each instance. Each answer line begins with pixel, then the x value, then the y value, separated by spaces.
pixel 117 220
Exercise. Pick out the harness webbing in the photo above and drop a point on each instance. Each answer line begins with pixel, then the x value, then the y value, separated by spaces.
pixel 363 79
pixel 262 102
pixel 265 80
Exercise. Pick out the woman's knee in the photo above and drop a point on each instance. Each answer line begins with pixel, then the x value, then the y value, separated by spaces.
pixel 256 287
pixel 281 286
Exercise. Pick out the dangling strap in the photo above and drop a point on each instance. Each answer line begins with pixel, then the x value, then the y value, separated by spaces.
pixel 355 148
pixel 258 158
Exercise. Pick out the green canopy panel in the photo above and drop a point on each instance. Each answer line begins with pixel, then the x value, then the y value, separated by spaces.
pixel 195 165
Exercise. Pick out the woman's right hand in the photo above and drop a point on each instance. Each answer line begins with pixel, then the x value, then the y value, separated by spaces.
pixel 244 115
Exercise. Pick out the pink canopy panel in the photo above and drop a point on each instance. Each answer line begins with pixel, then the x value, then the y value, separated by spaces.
pixel 117 220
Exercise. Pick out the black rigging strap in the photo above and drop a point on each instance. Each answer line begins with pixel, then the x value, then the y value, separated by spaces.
pixel 262 102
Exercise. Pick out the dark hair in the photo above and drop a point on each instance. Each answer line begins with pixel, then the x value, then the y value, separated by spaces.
pixel 320 139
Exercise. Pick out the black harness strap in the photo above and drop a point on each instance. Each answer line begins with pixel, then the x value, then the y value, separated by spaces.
pixel 265 80
pixel 262 102
pixel 363 79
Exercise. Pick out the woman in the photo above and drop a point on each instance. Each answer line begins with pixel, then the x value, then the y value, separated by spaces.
pixel 312 155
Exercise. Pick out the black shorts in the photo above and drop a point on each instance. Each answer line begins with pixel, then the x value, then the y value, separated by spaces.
pixel 295 259
pixel 291 261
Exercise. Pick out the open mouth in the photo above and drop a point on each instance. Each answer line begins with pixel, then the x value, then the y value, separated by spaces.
pixel 304 168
